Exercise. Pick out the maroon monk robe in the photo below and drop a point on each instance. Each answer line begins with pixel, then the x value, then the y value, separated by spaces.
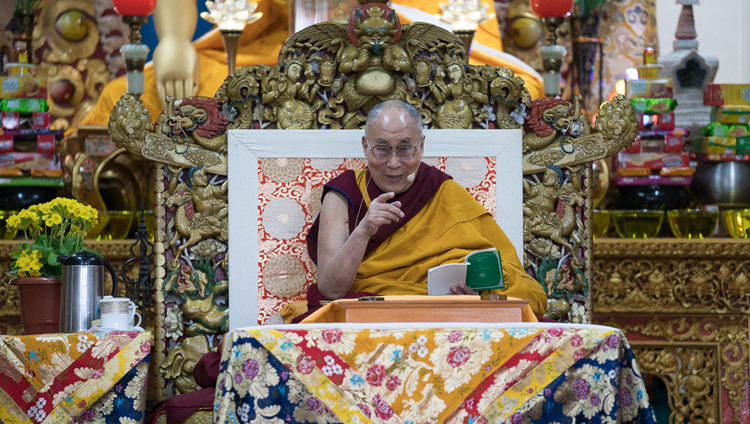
pixel 426 184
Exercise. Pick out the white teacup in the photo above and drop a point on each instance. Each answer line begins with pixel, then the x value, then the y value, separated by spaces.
pixel 118 313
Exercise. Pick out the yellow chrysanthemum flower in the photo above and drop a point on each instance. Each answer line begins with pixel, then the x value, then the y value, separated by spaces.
pixel 13 222
pixel 45 208
pixel 69 220
pixel 56 218
pixel 23 261
pixel 34 264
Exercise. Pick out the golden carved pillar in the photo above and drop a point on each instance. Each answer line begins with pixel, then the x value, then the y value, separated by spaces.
pixel 685 308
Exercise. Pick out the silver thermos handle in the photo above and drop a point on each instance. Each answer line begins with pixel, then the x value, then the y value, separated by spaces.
pixel 114 277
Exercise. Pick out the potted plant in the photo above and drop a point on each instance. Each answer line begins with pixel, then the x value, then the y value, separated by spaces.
pixel 51 230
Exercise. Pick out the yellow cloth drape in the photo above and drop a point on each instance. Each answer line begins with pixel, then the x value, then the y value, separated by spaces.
pixel 260 44
pixel 448 228
pixel 488 34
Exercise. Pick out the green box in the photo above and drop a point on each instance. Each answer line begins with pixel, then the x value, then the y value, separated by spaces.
pixel 25 106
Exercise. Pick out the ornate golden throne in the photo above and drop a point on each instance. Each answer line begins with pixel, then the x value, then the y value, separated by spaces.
pixel 328 77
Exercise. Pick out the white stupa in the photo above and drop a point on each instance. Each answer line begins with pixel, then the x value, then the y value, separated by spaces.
pixel 689 71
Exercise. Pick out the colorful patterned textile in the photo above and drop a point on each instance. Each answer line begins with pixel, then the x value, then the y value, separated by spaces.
pixel 74 377
pixel 520 373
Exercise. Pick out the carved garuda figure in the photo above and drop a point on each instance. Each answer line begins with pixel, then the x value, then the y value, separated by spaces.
pixel 328 77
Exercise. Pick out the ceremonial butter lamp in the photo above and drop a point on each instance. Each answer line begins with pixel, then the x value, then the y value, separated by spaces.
pixel 465 17
pixel 231 16
pixel 135 13
pixel 552 13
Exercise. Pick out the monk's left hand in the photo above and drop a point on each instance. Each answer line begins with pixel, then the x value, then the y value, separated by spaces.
pixel 461 289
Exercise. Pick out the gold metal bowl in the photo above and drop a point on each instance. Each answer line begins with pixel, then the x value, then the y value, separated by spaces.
pixel 4 233
pixel 637 223
pixel 692 223
pixel 600 221
pixel 113 225
pixel 738 223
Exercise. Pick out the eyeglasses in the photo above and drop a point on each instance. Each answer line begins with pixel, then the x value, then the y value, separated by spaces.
pixel 407 151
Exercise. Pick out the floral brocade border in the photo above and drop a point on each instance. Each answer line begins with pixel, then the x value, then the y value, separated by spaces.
pixel 475 375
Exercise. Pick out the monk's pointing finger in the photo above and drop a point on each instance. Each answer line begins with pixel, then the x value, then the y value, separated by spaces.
pixel 384 197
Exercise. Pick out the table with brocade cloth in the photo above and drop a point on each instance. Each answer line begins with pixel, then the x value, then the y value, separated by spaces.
pixel 74 377
pixel 427 373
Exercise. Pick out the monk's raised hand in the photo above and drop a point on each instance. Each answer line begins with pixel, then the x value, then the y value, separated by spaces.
pixel 381 213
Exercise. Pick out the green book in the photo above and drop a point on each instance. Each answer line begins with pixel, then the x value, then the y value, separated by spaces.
pixel 481 270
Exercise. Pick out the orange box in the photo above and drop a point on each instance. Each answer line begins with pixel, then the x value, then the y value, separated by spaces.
pixel 26 86
pixel 726 94
pixel 431 311
pixel 633 172
pixel 652 160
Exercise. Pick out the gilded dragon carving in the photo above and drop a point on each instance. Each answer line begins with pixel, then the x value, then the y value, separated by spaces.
pixel 328 77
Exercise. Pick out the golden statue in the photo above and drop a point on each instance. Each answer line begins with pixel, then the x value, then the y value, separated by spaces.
pixel 181 68
pixel 290 97
pixel 460 98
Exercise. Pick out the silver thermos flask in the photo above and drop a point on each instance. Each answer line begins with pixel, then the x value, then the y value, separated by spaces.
pixel 82 287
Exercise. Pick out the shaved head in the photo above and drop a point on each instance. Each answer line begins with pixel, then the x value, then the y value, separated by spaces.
pixel 394 105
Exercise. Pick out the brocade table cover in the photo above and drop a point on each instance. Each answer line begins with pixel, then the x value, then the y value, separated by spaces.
pixel 74 377
pixel 425 373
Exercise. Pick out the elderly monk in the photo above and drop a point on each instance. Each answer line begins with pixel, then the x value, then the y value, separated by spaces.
pixel 382 228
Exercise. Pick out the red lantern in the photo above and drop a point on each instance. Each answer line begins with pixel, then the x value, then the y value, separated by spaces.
pixel 551 8
pixel 134 7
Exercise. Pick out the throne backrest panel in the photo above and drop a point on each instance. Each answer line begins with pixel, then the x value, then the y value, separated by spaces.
pixel 278 177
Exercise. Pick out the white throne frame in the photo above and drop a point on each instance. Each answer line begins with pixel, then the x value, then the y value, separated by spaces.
pixel 247 147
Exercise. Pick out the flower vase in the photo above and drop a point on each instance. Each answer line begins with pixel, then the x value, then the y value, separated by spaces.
pixel 39 299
